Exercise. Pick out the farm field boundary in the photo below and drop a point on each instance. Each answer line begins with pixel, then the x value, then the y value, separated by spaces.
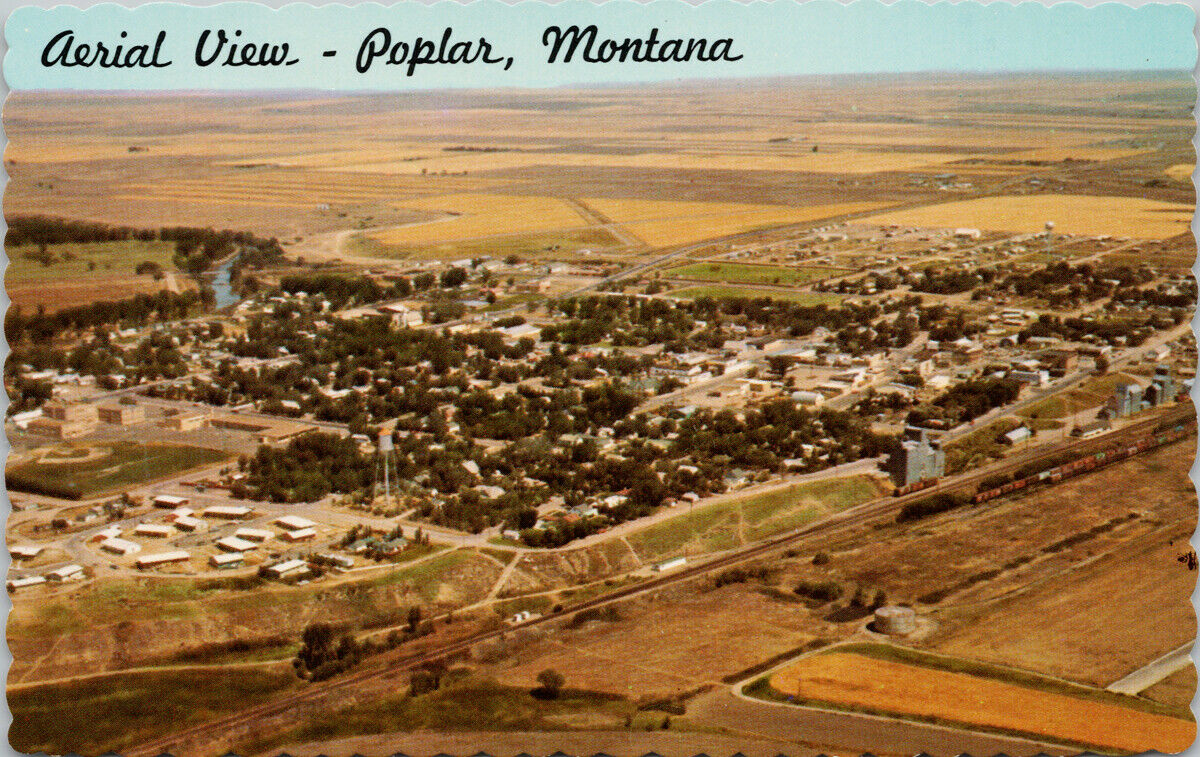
pixel 125 464
pixel 891 681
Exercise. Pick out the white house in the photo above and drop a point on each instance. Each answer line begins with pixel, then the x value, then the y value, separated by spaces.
pixel 120 546
pixel 234 544
pixel 163 558
pixel 66 573
pixel 294 522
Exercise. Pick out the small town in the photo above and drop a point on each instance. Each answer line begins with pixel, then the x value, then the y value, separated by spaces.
pixel 809 416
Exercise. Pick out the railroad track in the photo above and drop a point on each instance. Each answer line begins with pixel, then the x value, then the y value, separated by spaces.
pixel 883 508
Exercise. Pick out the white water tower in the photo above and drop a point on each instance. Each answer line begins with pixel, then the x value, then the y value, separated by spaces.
pixel 385 466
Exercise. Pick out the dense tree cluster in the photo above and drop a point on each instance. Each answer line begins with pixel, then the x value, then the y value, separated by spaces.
pixel 968 400
pixel 41 230
pixel 929 506
pixel 310 467
pixel 1133 329
pixel 340 290
pixel 763 438
pixel 196 249
pixel 326 651
pixel 27 394
pixel 1179 297
pixel 950 281
pixel 139 310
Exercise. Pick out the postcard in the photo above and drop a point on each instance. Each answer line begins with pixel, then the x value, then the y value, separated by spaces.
pixel 627 379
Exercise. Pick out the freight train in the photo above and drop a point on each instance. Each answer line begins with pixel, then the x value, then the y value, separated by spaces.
pixel 1089 462
pixel 915 486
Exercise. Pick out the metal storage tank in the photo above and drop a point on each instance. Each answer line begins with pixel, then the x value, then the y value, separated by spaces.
pixel 895 620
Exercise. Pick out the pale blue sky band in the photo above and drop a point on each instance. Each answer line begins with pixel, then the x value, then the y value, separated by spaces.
pixel 779 38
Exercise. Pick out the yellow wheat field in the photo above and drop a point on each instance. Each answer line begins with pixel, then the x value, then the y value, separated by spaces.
pixel 1057 154
pixel 1072 214
pixel 883 135
pixel 27 149
pixel 661 223
pixel 856 680
pixel 845 161
pixel 1181 171
pixel 480 215
pixel 360 154
pixel 295 190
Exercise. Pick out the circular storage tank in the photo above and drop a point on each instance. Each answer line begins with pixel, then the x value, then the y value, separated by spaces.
pixel 895 620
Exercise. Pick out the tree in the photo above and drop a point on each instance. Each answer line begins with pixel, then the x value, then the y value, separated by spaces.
pixel 414 618
pixel 551 684
pixel 316 644
pixel 421 682
pixel 452 277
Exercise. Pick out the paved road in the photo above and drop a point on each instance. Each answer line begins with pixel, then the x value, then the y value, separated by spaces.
pixel 1115 364
pixel 1145 677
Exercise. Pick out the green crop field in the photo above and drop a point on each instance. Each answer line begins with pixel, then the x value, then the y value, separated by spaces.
pixel 524 246
pixel 1090 394
pixel 464 702
pixel 112 713
pixel 978 447
pixel 717 291
pixel 737 521
pixel 120 466
pixel 744 273
pixel 82 261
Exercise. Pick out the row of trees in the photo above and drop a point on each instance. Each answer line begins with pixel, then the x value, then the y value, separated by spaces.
pixel 139 310
pixel 196 248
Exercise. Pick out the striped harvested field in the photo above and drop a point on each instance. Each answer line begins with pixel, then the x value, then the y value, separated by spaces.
pixel 661 223
pixel 850 161
pixel 291 189
pixel 867 683
pixel 1072 214
pixel 472 216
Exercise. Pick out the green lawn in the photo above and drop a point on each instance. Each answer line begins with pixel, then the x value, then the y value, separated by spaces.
pixel 718 291
pixel 516 300
pixel 461 704
pixel 786 509
pixel 1090 394
pixel 524 246
pixel 111 601
pixel 127 464
pixel 978 447
pixel 116 712
pixel 737 521
pixel 744 273
pixel 81 261
pixel 426 578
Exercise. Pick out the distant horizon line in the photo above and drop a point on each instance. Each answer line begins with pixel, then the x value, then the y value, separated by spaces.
pixel 319 91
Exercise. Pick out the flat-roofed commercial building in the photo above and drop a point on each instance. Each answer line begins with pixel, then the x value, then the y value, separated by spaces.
pixel 163 558
pixel 120 414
